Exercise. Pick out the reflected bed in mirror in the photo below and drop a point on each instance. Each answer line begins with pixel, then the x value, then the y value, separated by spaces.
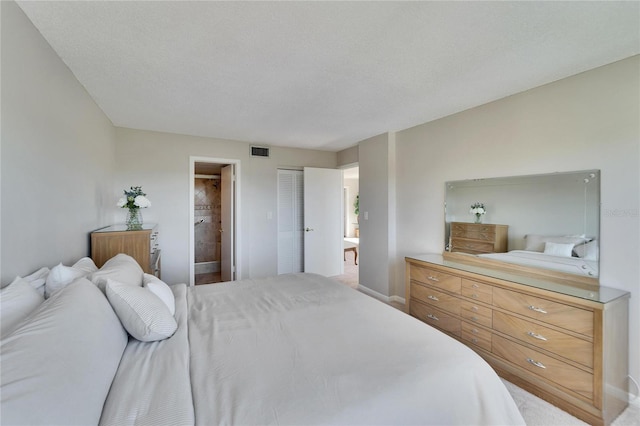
pixel 542 222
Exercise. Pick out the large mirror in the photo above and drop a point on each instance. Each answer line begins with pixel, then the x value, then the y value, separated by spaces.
pixel 549 221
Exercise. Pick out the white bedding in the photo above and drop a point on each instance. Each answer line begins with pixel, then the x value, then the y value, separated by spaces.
pixel 573 265
pixel 302 349
pixel 152 386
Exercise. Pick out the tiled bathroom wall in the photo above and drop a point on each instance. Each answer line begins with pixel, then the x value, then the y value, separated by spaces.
pixel 207 219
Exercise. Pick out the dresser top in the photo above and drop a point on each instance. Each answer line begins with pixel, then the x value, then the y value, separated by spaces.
pixel 123 228
pixel 598 294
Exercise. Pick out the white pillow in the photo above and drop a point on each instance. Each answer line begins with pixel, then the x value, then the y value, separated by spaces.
pixel 587 251
pixel 86 264
pixel 17 301
pixel 122 268
pixel 38 279
pixel 58 365
pixel 160 289
pixel 558 249
pixel 535 242
pixel 141 312
pixel 61 275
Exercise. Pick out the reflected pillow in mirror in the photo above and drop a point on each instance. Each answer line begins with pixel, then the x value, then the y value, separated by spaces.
pixel 558 249
pixel 535 242
pixel 587 251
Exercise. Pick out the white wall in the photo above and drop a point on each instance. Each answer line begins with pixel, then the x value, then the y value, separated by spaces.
pixel 588 121
pixel 57 154
pixel 159 162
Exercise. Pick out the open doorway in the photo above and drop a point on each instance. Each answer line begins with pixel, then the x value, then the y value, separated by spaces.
pixel 214 207
pixel 351 184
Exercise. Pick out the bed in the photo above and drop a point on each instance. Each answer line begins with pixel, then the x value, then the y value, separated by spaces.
pixel 293 349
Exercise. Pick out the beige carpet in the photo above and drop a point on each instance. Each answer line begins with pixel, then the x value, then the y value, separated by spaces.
pixel 536 412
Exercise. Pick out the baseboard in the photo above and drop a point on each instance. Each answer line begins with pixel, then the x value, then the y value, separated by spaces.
pixel 380 296
pixel 373 293
pixel 397 299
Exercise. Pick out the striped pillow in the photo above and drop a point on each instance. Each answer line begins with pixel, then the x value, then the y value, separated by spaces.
pixel 143 314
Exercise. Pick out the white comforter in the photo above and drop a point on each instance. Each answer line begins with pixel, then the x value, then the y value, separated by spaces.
pixel 302 349
pixel 573 265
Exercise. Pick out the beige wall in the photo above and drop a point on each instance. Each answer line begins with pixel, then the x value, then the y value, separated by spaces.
pixel 57 154
pixel 159 162
pixel 588 121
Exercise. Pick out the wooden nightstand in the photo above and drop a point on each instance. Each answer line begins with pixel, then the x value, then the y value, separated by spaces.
pixel 142 245
pixel 478 238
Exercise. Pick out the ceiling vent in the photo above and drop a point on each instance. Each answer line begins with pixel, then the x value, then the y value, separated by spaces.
pixel 259 151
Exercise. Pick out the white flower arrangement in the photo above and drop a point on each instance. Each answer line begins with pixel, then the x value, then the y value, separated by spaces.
pixel 477 209
pixel 134 199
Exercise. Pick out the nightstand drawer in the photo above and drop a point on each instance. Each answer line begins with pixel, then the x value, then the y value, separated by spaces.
pixel 459 244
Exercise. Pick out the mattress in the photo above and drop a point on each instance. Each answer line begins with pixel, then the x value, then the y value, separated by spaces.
pixel 303 349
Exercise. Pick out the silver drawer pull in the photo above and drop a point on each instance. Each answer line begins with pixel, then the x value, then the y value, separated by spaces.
pixel 474 309
pixel 475 331
pixel 475 286
pixel 533 308
pixel 433 317
pixel 433 298
pixel 474 296
pixel 474 319
pixel 536 335
pixel 474 340
pixel 536 363
pixel 432 278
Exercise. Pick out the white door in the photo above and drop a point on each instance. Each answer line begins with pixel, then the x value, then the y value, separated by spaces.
pixel 323 213
pixel 290 221
pixel 227 199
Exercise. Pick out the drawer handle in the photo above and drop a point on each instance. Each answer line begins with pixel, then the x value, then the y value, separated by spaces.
pixel 536 363
pixel 433 298
pixel 433 317
pixel 533 308
pixel 474 308
pixel 432 278
pixel 475 286
pixel 474 340
pixel 475 331
pixel 536 335
pixel 474 318
pixel 474 296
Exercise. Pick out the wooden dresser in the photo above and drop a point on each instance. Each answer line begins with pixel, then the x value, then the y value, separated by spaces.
pixel 478 238
pixel 142 245
pixel 565 342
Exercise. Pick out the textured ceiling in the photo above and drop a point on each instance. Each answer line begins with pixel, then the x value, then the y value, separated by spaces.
pixel 322 75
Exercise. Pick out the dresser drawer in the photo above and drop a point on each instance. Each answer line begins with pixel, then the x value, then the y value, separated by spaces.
pixel 437 279
pixel 458 244
pixel 436 317
pixel 476 336
pixel 475 313
pixel 562 344
pixel 559 314
pixel 435 298
pixel 545 366
pixel 484 234
pixel 477 291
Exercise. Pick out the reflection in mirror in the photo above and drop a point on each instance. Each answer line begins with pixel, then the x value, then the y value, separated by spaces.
pixel 549 221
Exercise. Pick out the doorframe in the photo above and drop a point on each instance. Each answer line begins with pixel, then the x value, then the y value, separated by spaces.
pixel 236 213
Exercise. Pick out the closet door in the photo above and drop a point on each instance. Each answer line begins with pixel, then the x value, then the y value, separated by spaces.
pixel 290 221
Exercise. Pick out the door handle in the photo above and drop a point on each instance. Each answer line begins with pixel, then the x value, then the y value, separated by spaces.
pixel 308 229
